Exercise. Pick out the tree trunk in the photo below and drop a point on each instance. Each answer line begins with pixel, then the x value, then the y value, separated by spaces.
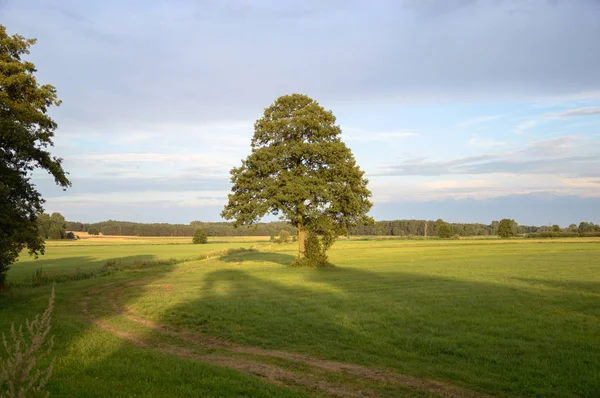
pixel 301 237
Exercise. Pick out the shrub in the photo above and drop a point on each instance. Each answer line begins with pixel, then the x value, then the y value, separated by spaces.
pixel 93 231
pixel 21 373
pixel 199 237
pixel 590 234
pixel 551 234
pixel 314 252
pixel 284 236
pixel 70 235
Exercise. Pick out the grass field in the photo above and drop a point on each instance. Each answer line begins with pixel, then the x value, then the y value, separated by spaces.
pixel 393 318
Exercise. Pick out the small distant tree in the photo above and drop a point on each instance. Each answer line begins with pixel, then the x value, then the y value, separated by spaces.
pixel 70 235
pixel 284 236
pixel 506 228
pixel 573 227
pixel 585 227
pixel 199 237
pixel 93 231
pixel 272 235
pixel 555 228
pixel 443 229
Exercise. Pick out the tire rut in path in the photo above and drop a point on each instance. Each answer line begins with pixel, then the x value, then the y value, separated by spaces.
pixel 273 373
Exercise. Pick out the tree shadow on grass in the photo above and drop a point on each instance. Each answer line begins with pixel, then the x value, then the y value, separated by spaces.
pixel 503 339
pixel 575 286
pixel 258 256
pixel 23 270
pixel 94 362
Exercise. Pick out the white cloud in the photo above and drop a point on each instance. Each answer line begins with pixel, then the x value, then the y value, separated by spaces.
pixel 588 111
pixel 478 120
pixel 180 198
pixel 359 134
pixel 485 143
pixel 524 126
pixel 390 189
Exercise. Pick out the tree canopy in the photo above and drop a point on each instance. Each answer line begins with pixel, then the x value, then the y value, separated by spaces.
pixel 26 132
pixel 300 170
pixel 506 228
pixel 443 229
pixel 199 237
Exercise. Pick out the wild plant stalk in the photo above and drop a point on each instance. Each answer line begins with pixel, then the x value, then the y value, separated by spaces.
pixel 20 372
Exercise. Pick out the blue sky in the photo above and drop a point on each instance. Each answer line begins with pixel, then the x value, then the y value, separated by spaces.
pixel 466 110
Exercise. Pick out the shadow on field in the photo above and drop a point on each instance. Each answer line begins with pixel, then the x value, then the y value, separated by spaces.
pixel 90 362
pixel 575 286
pixel 503 338
pixel 24 269
pixel 255 255
pixel 93 361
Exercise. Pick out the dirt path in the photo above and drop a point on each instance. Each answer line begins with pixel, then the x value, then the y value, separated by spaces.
pixel 248 359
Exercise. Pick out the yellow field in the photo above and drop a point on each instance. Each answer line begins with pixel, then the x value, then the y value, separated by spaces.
pixel 86 239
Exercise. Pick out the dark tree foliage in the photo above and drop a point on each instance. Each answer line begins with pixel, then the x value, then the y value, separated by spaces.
pixel 300 170
pixel 506 228
pixel 397 228
pixel 444 231
pixel 284 236
pixel 199 237
pixel 52 226
pixel 26 132
pixel 93 231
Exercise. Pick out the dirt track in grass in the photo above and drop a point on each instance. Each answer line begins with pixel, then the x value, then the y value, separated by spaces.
pixel 319 376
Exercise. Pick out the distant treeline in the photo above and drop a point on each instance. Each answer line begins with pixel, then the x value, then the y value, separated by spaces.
pixel 405 228
pixel 126 228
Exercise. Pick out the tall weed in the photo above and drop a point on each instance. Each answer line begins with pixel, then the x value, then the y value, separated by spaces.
pixel 21 371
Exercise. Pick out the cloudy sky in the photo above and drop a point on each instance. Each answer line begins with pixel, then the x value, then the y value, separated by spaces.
pixel 461 109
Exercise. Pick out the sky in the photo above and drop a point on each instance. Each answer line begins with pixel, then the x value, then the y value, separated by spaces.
pixel 466 110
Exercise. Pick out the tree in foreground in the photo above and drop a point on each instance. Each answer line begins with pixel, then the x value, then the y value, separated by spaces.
pixel 199 237
pixel 300 170
pixel 26 131
pixel 506 228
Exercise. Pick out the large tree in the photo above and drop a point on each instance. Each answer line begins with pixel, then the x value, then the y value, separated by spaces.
pixel 300 170
pixel 26 132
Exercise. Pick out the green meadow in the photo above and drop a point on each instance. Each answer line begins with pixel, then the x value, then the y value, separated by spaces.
pixel 464 318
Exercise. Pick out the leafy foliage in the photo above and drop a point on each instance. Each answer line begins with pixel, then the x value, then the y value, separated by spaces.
pixel 20 371
pixel 443 229
pixel 26 131
pixel 300 170
pixel 52 226
pixel 199 237
pixel 506 228
pixel 284 236
pixel 93 231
